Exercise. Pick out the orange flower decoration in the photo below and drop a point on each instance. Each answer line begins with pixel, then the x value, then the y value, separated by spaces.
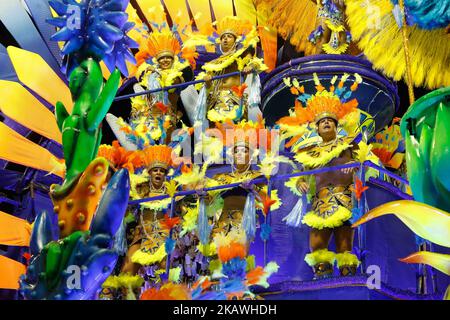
pixel 161 106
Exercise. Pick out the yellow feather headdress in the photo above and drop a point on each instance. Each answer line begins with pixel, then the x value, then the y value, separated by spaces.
pixel 210 34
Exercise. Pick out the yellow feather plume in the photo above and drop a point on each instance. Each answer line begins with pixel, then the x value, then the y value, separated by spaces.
pixel 373 26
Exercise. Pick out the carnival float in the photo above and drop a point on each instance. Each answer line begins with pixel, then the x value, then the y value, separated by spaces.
pixel 213 150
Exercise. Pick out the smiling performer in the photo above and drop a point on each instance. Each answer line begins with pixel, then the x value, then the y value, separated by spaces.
pixel 331 192
pixel 227 98
pixel 161 63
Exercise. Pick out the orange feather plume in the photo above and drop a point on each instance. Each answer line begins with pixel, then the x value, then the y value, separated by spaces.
pixel 168 223
pixel 255 275
pixel 119 157
pixel 231 251
pixel 359 189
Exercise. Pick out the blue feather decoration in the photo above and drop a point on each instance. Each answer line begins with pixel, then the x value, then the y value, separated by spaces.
pixel 94 29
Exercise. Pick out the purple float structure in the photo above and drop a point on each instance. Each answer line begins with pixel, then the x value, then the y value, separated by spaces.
pixel 376 94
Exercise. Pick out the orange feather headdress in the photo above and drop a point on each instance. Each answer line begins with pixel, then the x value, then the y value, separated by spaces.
pixel 157 45
pixel 332 103
pixel 233 25
pixel 157 156
pixel 118 157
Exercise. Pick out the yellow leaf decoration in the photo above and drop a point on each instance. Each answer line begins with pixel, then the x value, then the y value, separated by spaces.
pixel 426 221
pixel 438 261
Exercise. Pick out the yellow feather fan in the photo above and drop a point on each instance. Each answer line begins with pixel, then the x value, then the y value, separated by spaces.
pixel 373 25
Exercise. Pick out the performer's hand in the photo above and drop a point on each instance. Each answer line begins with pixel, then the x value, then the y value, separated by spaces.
pixel 208 78
pixel 199 189
pixel 302 186
pixel 201 193
pixel 348 170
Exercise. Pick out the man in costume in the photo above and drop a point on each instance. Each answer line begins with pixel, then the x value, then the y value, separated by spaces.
pixel 227 98
pixel 147 246
pixel 330 192
pixel 331 35
pixel 237 208
pixel 161 63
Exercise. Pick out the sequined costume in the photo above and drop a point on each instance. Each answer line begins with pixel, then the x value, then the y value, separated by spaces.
pixel 332 27
pixel 332 202
pixel 226 98
pixel 230 217
pixel 330 192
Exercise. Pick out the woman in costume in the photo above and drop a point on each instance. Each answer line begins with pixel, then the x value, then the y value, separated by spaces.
pixel 227 99
pixel 330 192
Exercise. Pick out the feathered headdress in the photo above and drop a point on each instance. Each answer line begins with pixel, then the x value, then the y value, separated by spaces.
pixel 252 134
pixel 210 34
pixel 157 45
pixel 157 156
pixel 164 42
pixel 334 103
pixel 118 157
pixel 233 25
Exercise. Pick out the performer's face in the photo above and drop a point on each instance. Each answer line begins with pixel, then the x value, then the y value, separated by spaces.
pixel 241 155
pixel 158 176
pixel 227 42
pixel 327 128
pixel 165 62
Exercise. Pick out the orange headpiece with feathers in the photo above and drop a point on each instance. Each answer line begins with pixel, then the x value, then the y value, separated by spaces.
pixel 332 103
pixel 157 45
pixel 157 156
